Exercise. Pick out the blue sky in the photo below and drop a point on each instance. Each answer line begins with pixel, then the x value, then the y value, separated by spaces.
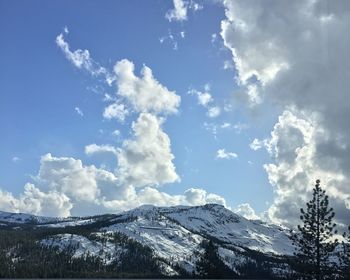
pixel 49 105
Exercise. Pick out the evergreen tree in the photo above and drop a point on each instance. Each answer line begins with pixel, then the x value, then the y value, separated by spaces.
pixel 314 239
pixel 345 257
pixel 210 265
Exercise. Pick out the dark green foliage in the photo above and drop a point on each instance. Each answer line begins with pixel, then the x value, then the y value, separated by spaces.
pixel 22 256
pixel 314 238
pixel 344 257
pixel 210 265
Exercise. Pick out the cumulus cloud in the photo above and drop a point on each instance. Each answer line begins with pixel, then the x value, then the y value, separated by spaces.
pixel 147 159
pixel 195 196
pixel 97 149
pixel 144 93
pixel 179 13
pixel 82 59
pixel 293 53
pixel 180 10
pixel 223 154
pixel 35 201
pixel 134 94
pixel 116 111
pixel 294 147
pixel 64 187
pixel 246 211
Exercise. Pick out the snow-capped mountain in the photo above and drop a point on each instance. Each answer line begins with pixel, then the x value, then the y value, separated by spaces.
pixel 174 235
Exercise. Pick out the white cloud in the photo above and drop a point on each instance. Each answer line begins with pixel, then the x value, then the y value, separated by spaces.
pixel 179 13
pixel 116 133
pixel 256 144
pixel 64 186
pixel 82 60
pixel 206 100
pixel 223 154
pixel 96 149
pixel 293 54
pixel 246 211
pixel 79 111
pixel 195 196
pixel 180 10
pixel 147 159
pixel 195 6
pixel 145 94
pixel 214 112
pixel 225 125
pixel 34 201
pixel 294 145
pixel 115 111
pixel 61 174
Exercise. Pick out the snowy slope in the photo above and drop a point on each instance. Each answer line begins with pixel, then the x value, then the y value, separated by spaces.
pixel 168 239
pixel 84 246
pixel 220 223
pixel 174 234
pixel 21 218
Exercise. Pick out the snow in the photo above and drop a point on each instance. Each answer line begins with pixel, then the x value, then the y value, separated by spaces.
pixel 69 223
pixel 174 234
pixel 167 239
pixel 220 223
pixel 22 218
pixel 232 259
pixel 84 246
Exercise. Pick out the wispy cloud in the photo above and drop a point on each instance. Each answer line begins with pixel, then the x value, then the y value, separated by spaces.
pixel 206 100
pixel 82 60
pixel 223 154
pixel 79 111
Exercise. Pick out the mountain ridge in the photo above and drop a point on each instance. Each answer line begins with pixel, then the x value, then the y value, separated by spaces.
pixel 173 234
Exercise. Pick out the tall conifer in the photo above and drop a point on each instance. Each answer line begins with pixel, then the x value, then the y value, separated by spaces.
pixel 314 239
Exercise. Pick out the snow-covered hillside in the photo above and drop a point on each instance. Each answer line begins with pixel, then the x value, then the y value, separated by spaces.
pixel 174 234
pixel 21 218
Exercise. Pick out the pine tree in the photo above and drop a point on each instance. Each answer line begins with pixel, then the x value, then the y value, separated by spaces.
pixel 345 257
pixel 210 265
pixel 314 238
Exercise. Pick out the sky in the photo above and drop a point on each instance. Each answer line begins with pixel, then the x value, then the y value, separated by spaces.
pixel 108 105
